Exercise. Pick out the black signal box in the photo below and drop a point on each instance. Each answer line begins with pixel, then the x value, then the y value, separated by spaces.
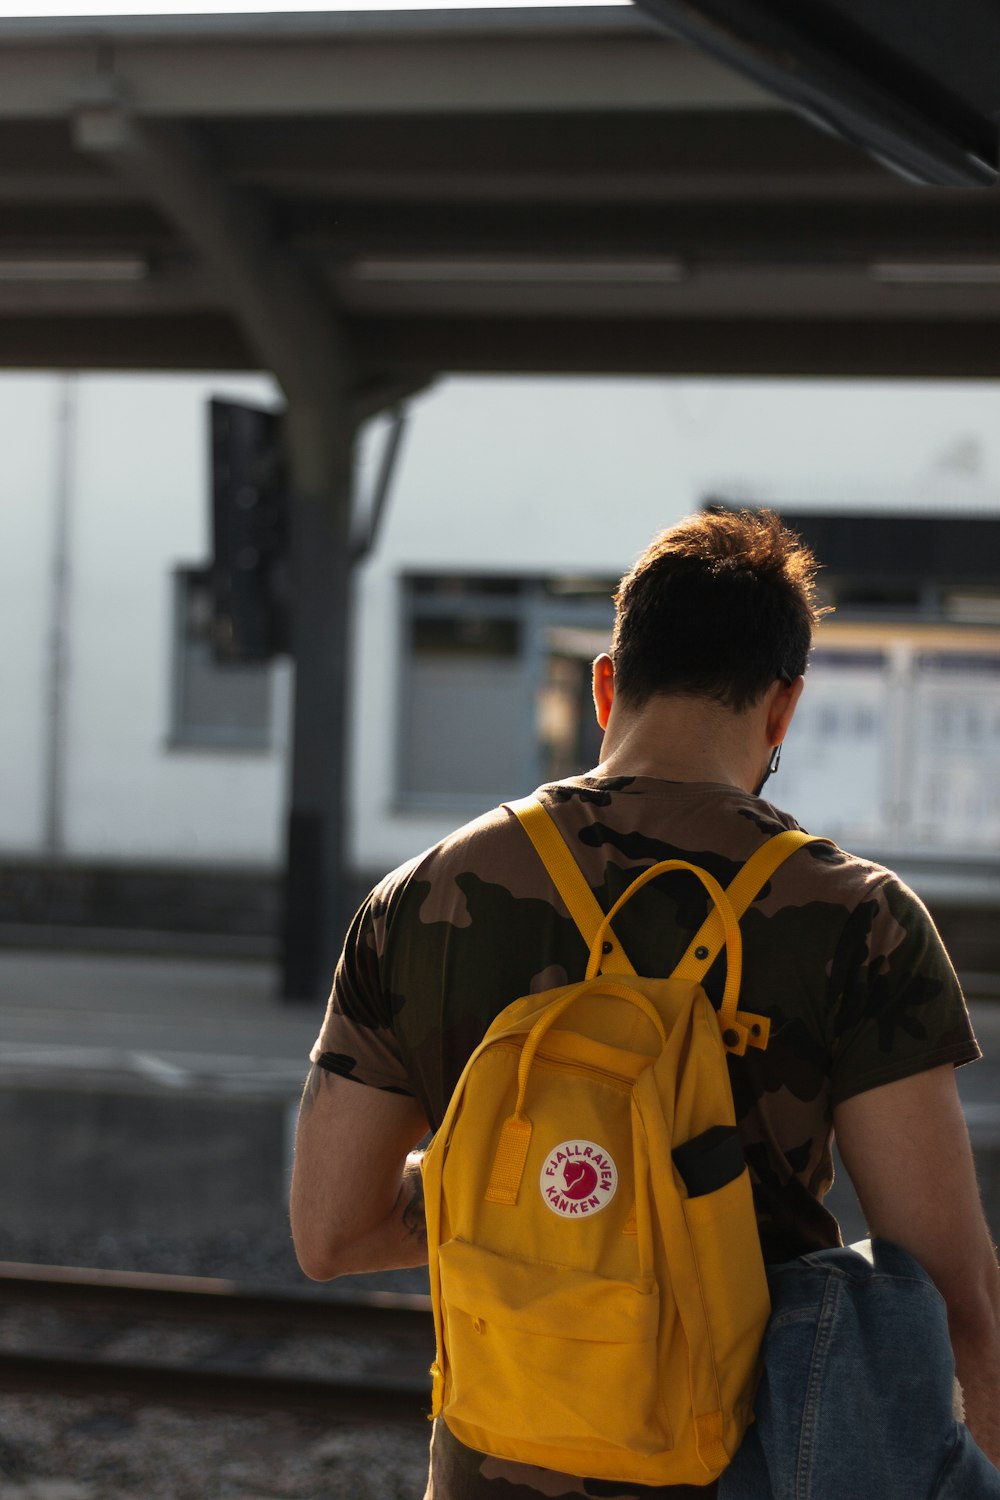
pixel 250 533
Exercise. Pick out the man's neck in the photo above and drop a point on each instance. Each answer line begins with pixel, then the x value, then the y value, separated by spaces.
pixel 684 739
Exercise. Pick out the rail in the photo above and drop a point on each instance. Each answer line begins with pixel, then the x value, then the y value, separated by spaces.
pixel 94 1307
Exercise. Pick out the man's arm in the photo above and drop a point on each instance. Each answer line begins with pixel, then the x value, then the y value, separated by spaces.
pixel 356 1200
pixel 906 1148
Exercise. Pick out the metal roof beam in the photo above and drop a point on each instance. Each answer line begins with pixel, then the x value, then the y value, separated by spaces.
pixel 387 76
pixel 748 347
pixel 102 341
pixel 274 27
pixel 852 348
pixel 741 230
pixel 63 288
pixel 291 324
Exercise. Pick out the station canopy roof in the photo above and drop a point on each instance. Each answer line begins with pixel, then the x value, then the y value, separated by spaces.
pixel 547 190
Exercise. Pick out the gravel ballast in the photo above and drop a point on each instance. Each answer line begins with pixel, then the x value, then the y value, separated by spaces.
pixel 78 1449
pixel 58 1448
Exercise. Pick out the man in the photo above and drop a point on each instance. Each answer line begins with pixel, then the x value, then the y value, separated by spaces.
pixel 712 635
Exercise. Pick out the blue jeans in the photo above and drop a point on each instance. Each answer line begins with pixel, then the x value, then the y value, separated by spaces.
pixel 856 1397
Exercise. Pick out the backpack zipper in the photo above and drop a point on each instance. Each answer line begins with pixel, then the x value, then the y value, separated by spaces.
pixel 555 1061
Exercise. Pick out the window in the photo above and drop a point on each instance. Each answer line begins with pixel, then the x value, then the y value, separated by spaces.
pixel 496 694
pixel 835 765
pixel 956 745
pixel 897 750
pixel 214 706
pixel 569 735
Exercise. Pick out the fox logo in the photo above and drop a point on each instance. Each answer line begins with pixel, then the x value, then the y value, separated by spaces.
pixel 578 1179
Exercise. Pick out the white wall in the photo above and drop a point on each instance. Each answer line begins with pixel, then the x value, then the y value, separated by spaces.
pixel 138 507
pixel 28 424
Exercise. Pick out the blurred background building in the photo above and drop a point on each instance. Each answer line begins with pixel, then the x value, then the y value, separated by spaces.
pixel 144 782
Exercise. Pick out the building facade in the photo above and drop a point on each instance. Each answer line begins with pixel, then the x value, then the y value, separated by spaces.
pixel 513 508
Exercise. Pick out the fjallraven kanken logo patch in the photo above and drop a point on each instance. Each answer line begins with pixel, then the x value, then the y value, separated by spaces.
pixel 578 1178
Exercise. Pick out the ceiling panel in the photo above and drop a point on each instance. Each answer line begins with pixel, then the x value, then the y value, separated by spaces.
pixel 528 188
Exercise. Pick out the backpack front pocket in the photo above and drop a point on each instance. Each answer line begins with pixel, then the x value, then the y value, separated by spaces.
pixel 514 1330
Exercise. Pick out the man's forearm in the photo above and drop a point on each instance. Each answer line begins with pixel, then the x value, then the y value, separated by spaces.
pixel 977 1364
pixel 356 1202
pixel 400 1239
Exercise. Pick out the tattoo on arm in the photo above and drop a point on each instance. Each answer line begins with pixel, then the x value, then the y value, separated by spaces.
pixel 315 1080
pixel 412 1194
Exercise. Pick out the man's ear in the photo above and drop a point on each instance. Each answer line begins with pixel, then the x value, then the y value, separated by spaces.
pixel 604 688
pixel 784 701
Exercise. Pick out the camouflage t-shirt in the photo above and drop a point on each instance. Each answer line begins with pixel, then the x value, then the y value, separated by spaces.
pixel 837 951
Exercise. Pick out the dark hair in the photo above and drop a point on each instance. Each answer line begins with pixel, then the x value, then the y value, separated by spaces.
pixel 720 606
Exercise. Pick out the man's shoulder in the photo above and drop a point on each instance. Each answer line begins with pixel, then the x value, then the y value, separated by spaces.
pixel 841 871
pixel 490 850
pixel 463 847
pixel 485 838
pixel 853 900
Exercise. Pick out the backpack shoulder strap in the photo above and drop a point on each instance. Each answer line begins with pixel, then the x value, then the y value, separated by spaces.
pixel 568 878
pixel 750 879
pixel 705 946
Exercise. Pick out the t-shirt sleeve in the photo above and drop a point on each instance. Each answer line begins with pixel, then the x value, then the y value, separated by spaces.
pixel 897 1007
pixel 356 1039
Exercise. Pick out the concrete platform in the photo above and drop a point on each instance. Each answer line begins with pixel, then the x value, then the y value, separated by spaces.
pixel 160 1022
pixel 145 1097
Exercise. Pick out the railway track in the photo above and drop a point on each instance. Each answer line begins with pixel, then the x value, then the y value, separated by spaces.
pixel 207 1343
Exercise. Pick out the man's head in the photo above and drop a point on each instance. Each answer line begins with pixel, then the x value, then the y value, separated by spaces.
pixel 720 606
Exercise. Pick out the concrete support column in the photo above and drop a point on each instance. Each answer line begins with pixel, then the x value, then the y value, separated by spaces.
pixel 317 898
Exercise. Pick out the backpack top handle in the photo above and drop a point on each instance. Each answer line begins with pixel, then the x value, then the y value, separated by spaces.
pixel 740 1028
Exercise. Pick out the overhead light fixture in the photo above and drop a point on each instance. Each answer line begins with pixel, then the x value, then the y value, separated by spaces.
pixel 906 273
pixel 106 268
pixel 522 272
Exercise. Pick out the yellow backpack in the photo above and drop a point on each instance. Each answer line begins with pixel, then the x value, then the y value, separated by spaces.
pixel 596 1277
